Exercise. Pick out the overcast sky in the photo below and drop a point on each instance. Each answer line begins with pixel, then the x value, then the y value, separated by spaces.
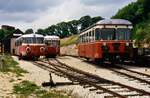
pixel 36 14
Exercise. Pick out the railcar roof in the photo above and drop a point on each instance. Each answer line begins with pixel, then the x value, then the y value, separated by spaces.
pixel 112 22
pixel 32 35
pixel 115 21
pixel 51 37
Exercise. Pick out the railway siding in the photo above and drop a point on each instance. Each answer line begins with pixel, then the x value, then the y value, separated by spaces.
pixel 85 78
pixel 102 72
pixel 88 90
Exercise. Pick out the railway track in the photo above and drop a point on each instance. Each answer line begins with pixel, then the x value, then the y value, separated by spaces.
pixel 132 75
pixel 143 79
pixel 95 83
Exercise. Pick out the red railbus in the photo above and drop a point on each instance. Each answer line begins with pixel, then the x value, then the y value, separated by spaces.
pixel 108 39
pixel 30 46
pixel 52 46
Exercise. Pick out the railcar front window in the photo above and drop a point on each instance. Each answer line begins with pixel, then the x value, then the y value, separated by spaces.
pixel 33 40
pixel 123 34
pixel 107 34
pixel 39 40
pixel 28 40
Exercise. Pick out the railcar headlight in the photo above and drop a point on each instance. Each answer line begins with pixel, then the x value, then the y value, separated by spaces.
pixel 42 49
pixel 104 44
pixel 28 49
pixel 127 44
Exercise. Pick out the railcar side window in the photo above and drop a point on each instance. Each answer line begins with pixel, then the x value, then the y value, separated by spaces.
pixel 93 36
pixel 18 42
pixel 80 39
pixel 107 34
pixel 86 37
pixel 90 36
pixel 39 40
pixel 97 34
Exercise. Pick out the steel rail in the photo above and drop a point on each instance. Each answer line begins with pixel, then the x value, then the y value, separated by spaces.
pixel 63 70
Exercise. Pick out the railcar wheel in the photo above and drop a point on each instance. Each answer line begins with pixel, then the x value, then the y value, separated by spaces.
pixel 121 60
pixel 20 57
pixel 99 61
pixel 50 56
pixel 35 58
pixel 87 59
pixel 112 59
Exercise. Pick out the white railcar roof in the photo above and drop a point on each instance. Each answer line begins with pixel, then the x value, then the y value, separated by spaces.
pixel 32 35
pixel 50 37
pixel 115 21
pixel 109 23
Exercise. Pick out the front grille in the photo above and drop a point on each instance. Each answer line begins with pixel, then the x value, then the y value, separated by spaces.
pixel 116 46
pixel 105 48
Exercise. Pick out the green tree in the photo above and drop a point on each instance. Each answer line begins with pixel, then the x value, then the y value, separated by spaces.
pixel 96 19
pixel 40 31
pixel 85 21
pixel 64 29
pixel 139 14
pixel 29 31
pixel 2 33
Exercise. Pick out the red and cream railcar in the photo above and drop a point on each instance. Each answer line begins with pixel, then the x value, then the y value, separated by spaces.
pixel 30 46
pixel 107 39
pixel 52 46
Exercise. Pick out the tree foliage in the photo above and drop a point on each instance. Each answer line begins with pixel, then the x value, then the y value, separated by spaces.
pixel 139 14
pixel 29 31
pixel 64 29
pixel 4 33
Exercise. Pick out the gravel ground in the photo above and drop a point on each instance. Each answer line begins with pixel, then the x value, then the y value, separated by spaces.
pixel 7 82
pixel 102 72
pixel 145 70
pixel 5 86
pixel 39 75
pixel 69 50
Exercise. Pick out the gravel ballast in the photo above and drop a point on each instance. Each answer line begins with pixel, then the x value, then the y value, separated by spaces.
pixel 39 75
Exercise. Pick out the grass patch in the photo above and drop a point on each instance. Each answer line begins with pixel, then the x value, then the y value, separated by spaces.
pixel 53 95
pixel 27 88
pixel 8 64
pixel 69 41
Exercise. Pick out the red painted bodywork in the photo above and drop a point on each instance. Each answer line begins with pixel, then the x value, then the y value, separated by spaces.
pixel 52 51
pixel 94 50
pixel 35 50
